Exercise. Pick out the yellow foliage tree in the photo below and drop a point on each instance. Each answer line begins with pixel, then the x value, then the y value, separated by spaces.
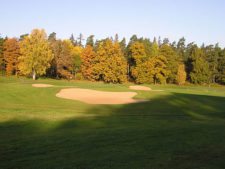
pixel 139 67
pixel 36 54
pixel 110 64
pixel 147 69
pixel 138 54
pixel 181 75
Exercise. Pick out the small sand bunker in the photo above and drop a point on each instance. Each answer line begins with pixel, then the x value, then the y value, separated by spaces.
pixel 140 88
pixel 42 85
pixel 98 97
pixel 157 90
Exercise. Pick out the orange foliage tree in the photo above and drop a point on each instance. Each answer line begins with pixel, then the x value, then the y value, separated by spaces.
pixel 87 59
pixel 11 54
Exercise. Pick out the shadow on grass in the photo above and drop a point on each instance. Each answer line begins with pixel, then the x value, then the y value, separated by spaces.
pixel 175 131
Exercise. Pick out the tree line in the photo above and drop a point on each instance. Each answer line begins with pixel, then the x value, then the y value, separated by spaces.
pixel 141 60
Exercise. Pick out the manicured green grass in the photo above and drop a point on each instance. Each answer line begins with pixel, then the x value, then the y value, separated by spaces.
pixel 178 128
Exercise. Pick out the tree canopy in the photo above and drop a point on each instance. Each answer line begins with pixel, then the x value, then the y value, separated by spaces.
pixel 36 54
pixel 112 60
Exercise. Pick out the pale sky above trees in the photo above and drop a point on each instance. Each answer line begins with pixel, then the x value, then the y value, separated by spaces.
pixel 196 20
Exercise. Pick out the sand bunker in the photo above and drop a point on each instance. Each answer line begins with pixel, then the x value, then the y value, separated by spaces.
pixel 42 85
pixel 98 97
pixel 140 88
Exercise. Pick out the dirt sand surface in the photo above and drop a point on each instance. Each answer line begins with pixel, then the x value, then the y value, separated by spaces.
pixel 140 88
pixel 42 85
pixel 98 97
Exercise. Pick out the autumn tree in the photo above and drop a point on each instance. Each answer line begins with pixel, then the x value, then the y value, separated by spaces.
pixel 110 64
pixel 138 57
pixel 111 60
pixel 138 54
pixel 153 70
pixel 142 73
pixel 36 54
pixel 172 60
pixel 181 75
pixel 133 40
pixel 65 60
pixel 11 55
pixel 160 72
pixel 88 60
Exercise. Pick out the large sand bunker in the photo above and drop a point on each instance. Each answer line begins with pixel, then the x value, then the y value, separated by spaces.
pixel 41 85
pixel 98 97
pixel 140 88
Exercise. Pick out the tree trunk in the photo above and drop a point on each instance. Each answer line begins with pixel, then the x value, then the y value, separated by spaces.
pixel 34 75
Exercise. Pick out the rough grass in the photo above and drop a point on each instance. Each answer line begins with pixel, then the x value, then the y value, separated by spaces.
pixel 181 127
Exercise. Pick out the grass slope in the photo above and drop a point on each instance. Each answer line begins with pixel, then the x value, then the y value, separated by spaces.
pixel 181 127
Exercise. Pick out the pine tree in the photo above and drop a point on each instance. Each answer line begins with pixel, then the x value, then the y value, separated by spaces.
pixel 154 49
pixel 73 41
pixel 52 37
pixel 200 72
pixel 23 36
pixel 90 41
pixel 189 56
pixel 166 41
pixel 221 67
pixel 80 40
pixel 116 39
pixel 123 46
pixel 180 48
pixel 212 55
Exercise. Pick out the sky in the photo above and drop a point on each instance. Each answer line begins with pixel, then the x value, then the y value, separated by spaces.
pixel 197 20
